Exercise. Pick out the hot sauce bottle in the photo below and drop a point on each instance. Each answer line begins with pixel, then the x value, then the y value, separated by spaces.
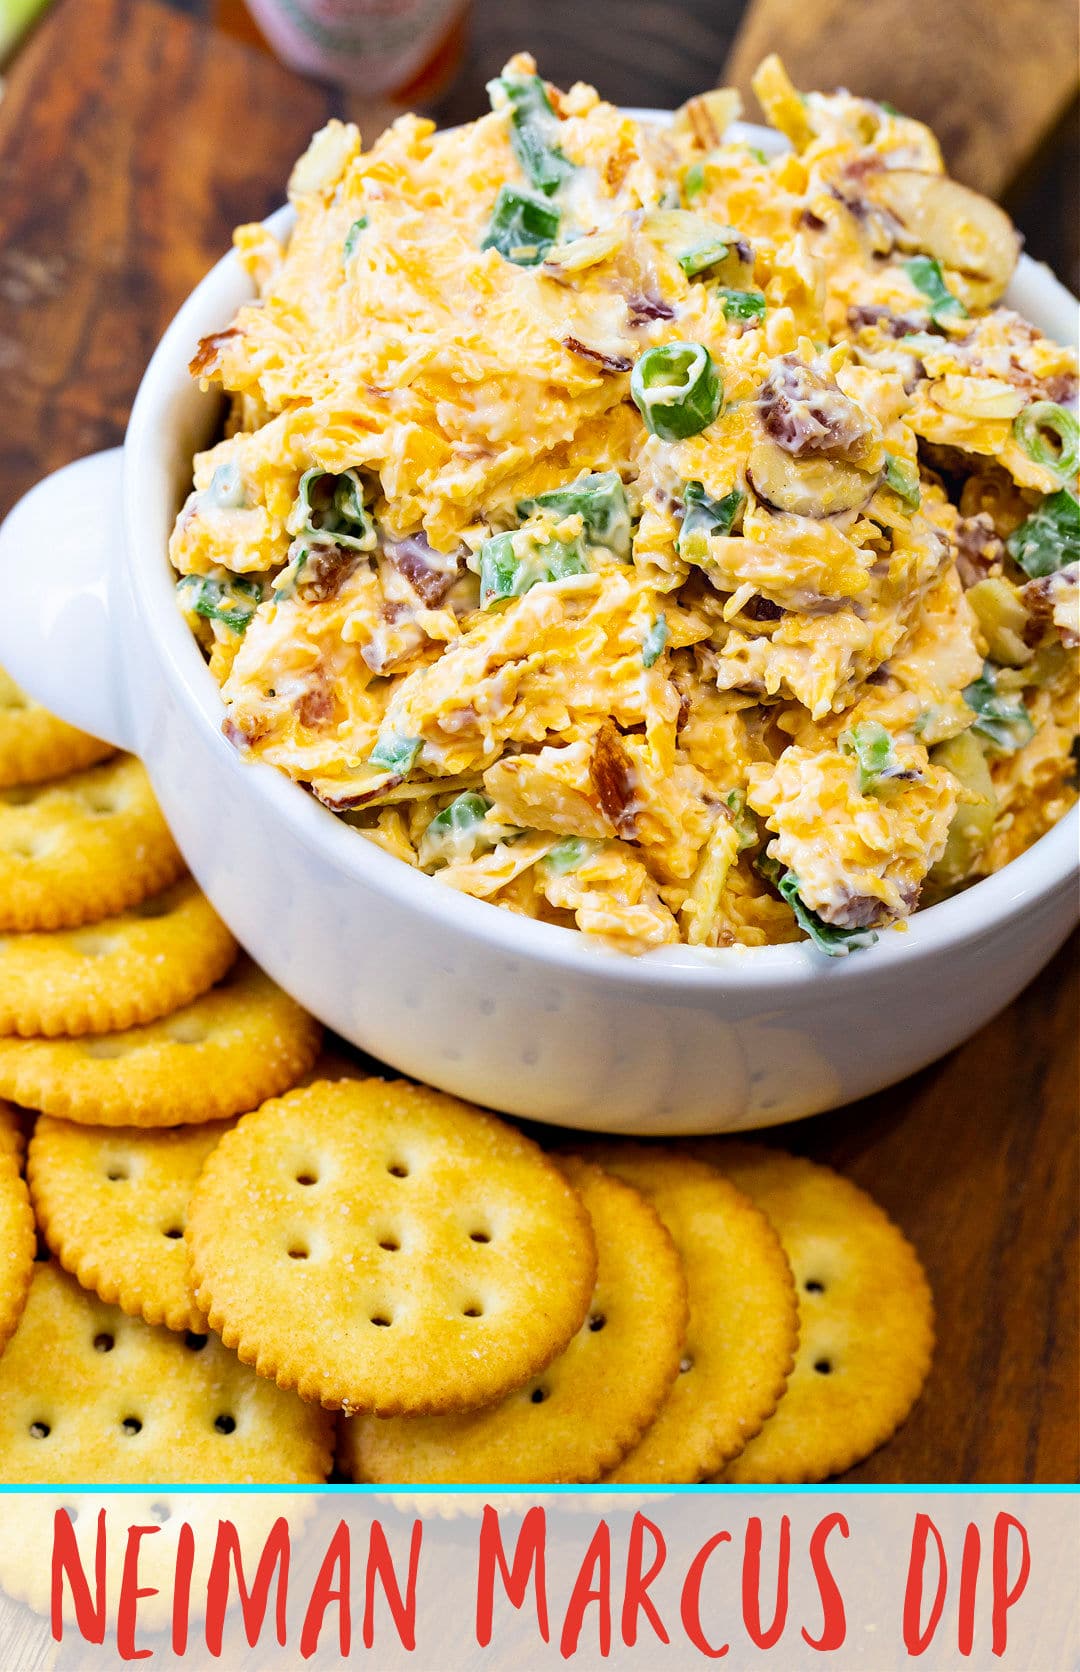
pixel 402 51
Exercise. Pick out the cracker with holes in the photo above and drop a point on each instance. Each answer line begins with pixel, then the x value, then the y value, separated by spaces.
pixel 17 1241
pixel 111 1203
pixel 88 1394
pixel 78 849
pixel 584 1412
pixel 385 1248
pixel 35 745
pixel 741 1338
pixel 238 1044
pixel 866 1317
pixel 152 959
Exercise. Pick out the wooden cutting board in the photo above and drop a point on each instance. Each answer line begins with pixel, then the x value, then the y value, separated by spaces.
pixel 131 141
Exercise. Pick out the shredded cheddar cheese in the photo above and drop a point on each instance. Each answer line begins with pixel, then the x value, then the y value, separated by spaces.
pixel 599 502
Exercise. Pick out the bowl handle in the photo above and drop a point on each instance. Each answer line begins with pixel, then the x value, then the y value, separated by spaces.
pixel 60 585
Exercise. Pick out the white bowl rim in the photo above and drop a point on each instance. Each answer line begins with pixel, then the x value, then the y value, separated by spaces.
pixel 1049 864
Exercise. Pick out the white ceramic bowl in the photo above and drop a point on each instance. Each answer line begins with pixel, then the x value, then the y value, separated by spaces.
pixel 512 1013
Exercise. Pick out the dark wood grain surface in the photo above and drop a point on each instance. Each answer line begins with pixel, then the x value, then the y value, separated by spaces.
pixel 131 140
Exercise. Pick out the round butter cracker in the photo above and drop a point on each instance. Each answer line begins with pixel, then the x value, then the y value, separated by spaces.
pixel 866 1317
pixel 88 1394
pixel 112 1202
pixel 743 1328
pixel 576 1419
pixel 238 1044
pixel 17 1241
pixel 35 745
pixel 153 959
pixel 14 1126
pixel 383 1247
pixel 77 849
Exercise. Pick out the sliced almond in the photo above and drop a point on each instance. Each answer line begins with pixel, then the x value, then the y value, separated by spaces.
pixel 967 233
pixel 708 116
pixel 808 486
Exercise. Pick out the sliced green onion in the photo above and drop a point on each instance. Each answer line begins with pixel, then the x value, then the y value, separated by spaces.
pixel 704 256
pixel 599 499
pixel 522 228
pixel 704 517
pixel 889 109
pixel 926 275
pixel 351 238
pixel 1030 429
pixel 226 489
pixel 699 242
pixel 758 155
pixel 834 942
pixel 533 127
pixel 654 641
pixel 693 181
pixel 872 748
pixel 333 506
pixel 1005 724
pixel 455 833
pixel 397 754
pixel 233 602
pixel 746 826
pixel 1050 538
pixel 903 479
pixel 742 304
pixel 676 390
pixel 505 573
pixel 570 854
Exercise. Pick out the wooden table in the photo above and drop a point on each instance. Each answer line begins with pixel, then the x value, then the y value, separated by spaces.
pixel 131 141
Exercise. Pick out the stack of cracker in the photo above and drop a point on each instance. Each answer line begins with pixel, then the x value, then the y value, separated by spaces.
pixel 239 1257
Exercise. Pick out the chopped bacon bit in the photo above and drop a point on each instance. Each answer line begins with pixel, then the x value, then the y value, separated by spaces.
pixel 345 803
pixel 1061 389
pixel 978 548
pixel 1041 598
pixel 316 706
pixel 204 361
pixel 684 711
pixel 456 720
pixel 325 572
pixel 812 222
pixel 855 911
pixel 894 325
pixel 412 558
pixel 859 168
pixel 644 308
pixel 863 911
pixel 243 736
pixel 762 609
pixel 804 413
pixel 609 362
pixel 613 780
pixel 617 167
